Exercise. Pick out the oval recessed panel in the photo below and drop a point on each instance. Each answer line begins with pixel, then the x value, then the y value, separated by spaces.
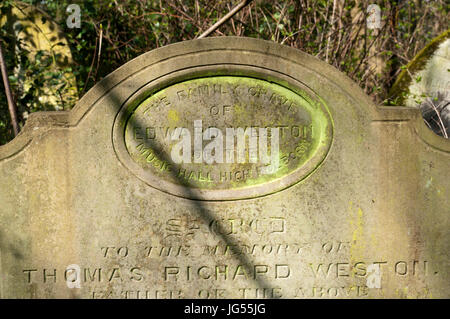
pixel 224 137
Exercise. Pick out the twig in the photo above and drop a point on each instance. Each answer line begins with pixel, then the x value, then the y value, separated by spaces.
pixel 9 97
pixel 267 21
pixel 99 51
pixel 225 18
pixel 93 61
pixel 332 28
pixel 440 123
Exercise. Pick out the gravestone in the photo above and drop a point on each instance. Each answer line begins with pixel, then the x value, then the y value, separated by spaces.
pixel 425 83
pixel 142 190
pixel 426 76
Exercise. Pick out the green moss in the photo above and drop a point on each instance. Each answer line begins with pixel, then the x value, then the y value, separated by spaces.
pixel 400 89
pixel 277 103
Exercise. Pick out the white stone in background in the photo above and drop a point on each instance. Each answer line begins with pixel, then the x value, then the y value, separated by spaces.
pixel 434 78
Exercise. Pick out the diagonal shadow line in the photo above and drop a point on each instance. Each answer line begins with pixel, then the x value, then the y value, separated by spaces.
pixel 200 208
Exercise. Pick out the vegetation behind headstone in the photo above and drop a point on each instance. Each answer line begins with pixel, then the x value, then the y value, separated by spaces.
pixel 334 31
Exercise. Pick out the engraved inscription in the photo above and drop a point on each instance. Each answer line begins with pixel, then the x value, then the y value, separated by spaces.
pixel 227 133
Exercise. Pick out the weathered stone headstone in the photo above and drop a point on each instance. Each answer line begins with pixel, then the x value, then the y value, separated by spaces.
pixel 142 191
pixel 427 75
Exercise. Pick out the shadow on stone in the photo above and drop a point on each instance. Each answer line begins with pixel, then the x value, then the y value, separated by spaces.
pixel 200 208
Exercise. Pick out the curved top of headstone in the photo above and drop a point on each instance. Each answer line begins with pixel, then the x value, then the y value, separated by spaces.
pixel 302 95
pixel 426 76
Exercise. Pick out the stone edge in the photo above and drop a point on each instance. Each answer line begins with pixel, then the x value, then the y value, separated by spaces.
pixel 41 122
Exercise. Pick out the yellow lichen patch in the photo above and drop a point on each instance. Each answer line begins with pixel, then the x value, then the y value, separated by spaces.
pixel 173 117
